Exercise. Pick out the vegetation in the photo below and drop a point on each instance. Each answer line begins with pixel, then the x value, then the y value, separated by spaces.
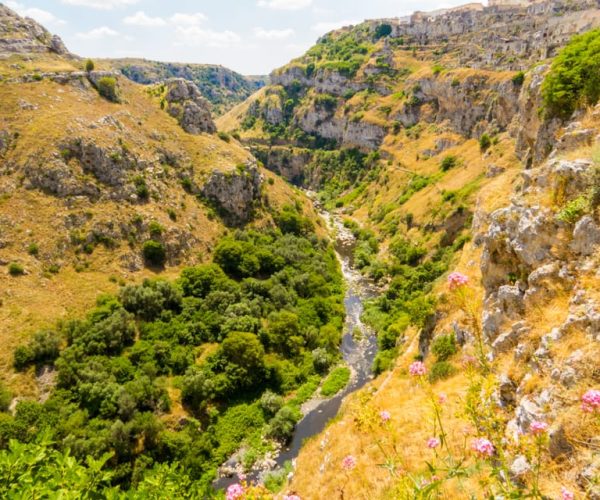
pixel 383 30
pixel 89 65
pixel 448 163
pixel 336 381
pixel 233 337
pixel 573 78
pixel 155 253
pixel 107 88
pixel 16 269
pixel 485 141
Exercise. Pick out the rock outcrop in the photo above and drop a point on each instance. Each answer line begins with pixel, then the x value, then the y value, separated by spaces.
pixel 235 192
pixel 186 104
pixel 22 35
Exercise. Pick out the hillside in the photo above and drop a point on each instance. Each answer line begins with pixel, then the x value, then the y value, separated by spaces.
pixel 438 141
pixel 222 87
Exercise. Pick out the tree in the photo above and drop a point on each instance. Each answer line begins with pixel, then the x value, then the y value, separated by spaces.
pixel 154 253
pixel 89 65
pixel 243 356
pixel 383 30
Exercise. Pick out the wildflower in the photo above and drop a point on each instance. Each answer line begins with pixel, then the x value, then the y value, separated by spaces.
pixel 537 427
pixel 456 280
pixel 433 442
pixel 385 416
pixel 566 494
pixel 483 447
pixel 590 401
pixel 468 361
pixel 291 497
pixel 349 462
pixel 442 398
pixel 234 492
pixel 417 369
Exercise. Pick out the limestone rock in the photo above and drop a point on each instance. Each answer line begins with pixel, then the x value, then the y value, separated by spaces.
pixel 519 468
pixel 586 236
pixel 236 192
pixel 185 102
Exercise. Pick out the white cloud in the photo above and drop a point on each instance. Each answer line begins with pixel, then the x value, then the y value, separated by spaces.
pixel 194 36
pixel 100 4
pixel 40 15
pixel 140 18
pixel 97 33
pixel 285 4
pixel 263 34
pixel 181 19
pixel 327 26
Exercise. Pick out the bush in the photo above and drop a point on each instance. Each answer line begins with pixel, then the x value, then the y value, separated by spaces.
pixel 444 346
pixel 33 249
pixel 449 162
pixel 44 347
pixel 485 142
pixel 89 65
pixel 441 370
pixel 15 269
pixel 155 253
pixel 335 381
pixel 518 79
pixel 224 136
pixel 382 31
pixel 270 402
pixel 107 88
pixel 281 426
pixel 574 210
pixel 573 77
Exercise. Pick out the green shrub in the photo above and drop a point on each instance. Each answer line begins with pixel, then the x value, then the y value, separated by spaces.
pixel 448 162
pixel 444 346
pixel 154 252
pixel 155 229
pixel 44 347
pixel 518 79
pixel 335 381
pixel 574 210
pixel 437 69
pixel 441 370
pixel 383 30
pixel 33 249
pixel 573 78
pixel 270 402
pixel 16 269
pixel 224 136
pixel 107 88
pixel 281 426
pixel 141 188
pixel 485 142
pixel 89 65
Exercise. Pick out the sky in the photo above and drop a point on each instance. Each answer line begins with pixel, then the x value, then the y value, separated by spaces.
pixel 249 36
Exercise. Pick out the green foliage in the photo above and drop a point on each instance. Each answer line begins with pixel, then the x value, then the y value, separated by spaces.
pixel 224 136
pixel 155 253
pixel 335 381
pixel 16 269
pixel 118 365
pixel 485 142
pixel 107 88
pixel 141 188
pixel 33 249
pixel 326 101
pixel 444 347
pixel 5 398
pixel 382 31
pixel 574 210
pixel 89 65
pixel 43 348
pixel 405 251
pixel 518 79
pixel 573 78
pixel 441 370
pixel 448 163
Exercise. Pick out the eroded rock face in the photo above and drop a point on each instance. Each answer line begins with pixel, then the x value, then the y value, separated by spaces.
pixel 235 192
pixel 185 102
pixel 22 35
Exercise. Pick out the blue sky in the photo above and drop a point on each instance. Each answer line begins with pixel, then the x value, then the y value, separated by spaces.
pixel 249 36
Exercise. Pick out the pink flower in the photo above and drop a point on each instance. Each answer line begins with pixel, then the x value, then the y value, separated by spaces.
pixel 590 401
pixel 349 462
pixel 234 492
pixel 468 361
pixel 433 442
pixel 417 369
pixel 291 497
pixel 385 416
pixel 442 398
pixel 565 494
pixel 537 427
pixel 483 447
pixel 456 280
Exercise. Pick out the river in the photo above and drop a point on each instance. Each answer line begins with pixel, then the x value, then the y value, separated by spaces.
pixel 358 352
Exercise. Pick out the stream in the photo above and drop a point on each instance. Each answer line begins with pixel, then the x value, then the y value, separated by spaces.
pixel 358 355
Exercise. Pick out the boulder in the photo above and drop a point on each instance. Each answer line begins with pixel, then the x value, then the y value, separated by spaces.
pixel 186 104
pixel 558 444
pixel 586 236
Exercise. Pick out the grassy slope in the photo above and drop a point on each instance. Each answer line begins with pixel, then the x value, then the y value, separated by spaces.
pixel 30 302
